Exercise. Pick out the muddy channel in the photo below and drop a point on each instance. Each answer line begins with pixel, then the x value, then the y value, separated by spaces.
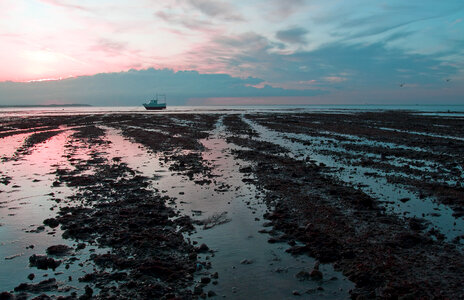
pixel 238 205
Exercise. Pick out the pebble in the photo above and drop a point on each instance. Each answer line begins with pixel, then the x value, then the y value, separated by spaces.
pixel 205 280
pixel 211 294
pixel 203 248
pixel 316 275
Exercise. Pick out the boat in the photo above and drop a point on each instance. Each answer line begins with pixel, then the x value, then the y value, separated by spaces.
pixel 155 103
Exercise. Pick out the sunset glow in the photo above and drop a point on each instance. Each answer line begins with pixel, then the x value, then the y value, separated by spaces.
pixel 333 46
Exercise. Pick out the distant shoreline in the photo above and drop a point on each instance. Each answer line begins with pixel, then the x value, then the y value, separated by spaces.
pixel 45 105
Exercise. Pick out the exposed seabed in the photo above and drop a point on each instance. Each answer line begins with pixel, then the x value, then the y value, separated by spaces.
pixel 242 205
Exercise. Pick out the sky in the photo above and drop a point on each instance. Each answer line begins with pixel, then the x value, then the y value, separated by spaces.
pixel 117 52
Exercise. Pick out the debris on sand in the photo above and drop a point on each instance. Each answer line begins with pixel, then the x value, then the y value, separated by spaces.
pixel 215 220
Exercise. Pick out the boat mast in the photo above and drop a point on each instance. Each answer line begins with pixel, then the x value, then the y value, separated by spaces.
pixel 162 96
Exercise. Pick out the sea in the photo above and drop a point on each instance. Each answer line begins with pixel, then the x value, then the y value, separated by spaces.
pixel 441 110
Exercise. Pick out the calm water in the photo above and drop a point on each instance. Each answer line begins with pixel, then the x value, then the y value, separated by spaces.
pixel 451 110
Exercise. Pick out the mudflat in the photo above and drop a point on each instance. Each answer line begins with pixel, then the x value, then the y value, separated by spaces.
pixel 285 204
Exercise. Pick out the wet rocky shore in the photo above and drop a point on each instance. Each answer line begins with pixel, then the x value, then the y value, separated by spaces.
pixel 359 205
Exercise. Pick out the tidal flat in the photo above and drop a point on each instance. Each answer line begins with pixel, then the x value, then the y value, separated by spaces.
pixel 236 204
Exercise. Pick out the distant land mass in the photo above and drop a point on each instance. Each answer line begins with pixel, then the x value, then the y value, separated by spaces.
pixel 47 105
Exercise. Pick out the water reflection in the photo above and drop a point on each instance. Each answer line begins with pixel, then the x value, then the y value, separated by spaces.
pixel 271 273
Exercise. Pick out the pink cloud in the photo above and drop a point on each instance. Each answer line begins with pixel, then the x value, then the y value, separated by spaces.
pixel 189 22
pixel 291 85
pixel 335 79
pixel 109 47
pixel 217 8
pixel 240 55
pixel 295 100
pixel 279 9
pixel 308 82
pixel 64 4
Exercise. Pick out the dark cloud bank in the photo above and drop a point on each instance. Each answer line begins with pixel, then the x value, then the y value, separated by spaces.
pixel 341 74
pixel 136 86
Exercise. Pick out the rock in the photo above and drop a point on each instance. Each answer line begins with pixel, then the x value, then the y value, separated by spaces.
pixel 417 224
pixel 43 262
pixel 404 200
pixel 272 240
pixel 211 294
pixel 205 280
pixel 46 285
pixel 88 291
pixel 52 222
pixel 7 296
pixel 246 262
pixel 316 274
pixel 58 250
pixel 296 293
pixel 296 250
pixel 118 276
pixel 215 275
pixel 31 276
pixel 203 248
pixel 245 170
pixel 80 246
pixel 90 277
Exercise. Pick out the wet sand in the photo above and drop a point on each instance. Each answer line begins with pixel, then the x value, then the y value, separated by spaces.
pixel 272 205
